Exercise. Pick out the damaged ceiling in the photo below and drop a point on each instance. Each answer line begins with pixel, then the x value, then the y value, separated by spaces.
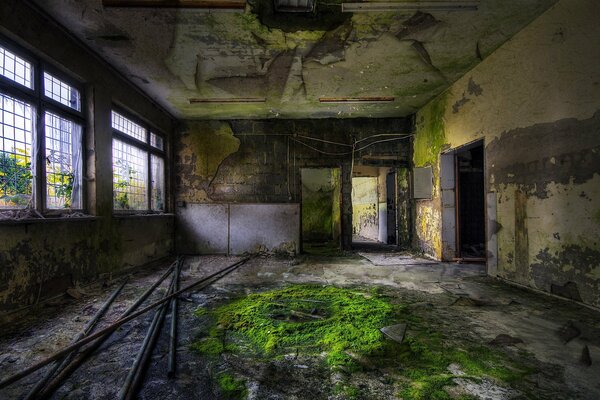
pixel 291 60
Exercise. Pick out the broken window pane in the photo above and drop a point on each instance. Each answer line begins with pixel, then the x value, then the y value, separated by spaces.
pixel 128 127
pixel 63 163
pixel 15 68
pixel 130 177
pixel 16 170
pixel 61 92
pixel 158 183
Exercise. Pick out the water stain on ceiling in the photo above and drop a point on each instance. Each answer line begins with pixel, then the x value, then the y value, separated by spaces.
pixel 291 59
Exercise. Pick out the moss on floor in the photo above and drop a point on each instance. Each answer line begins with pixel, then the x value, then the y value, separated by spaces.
pixel 344 325
pixel 231 387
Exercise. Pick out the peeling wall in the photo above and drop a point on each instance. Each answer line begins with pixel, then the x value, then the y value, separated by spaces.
pixel 320 204
pixel 365 217
pixel 42 258
pixel 536 103
pixel 265 168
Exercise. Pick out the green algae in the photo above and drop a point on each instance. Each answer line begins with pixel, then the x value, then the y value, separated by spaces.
pixel 430 135
pixel 231 387
pixel 343 326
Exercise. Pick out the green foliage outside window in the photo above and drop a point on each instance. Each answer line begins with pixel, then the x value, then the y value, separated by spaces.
pixel 122 178
pixel 15 178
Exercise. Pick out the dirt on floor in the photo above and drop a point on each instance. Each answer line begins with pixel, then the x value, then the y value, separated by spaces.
pixel 467 336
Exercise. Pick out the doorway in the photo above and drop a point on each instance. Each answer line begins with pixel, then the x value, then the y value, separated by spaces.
pixel 470 199
pixel 321 209
pixel 374 199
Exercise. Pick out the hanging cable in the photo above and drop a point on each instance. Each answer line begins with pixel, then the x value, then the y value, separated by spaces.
pixel 382 134
pixel 323 140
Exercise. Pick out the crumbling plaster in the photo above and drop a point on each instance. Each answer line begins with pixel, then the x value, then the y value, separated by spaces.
pixel 41 258
pixel 266 166
pixel 536 103
pixel 178 54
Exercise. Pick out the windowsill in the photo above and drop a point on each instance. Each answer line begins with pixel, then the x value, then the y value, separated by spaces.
pixel 47 220
pixel 141 215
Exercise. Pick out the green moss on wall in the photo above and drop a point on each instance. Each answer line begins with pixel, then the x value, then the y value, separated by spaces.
pixel 430 135
pixel 317 215
pixel 210 143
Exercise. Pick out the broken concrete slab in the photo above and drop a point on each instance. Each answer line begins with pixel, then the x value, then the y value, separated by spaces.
pixel 395 332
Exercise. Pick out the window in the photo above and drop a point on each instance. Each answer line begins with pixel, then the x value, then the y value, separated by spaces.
pixel 16 143
pixel 138 166
pixel 41 129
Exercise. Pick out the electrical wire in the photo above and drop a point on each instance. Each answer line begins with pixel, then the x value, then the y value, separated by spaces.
pixel 354 149
pixel 323 140
pixel 382 134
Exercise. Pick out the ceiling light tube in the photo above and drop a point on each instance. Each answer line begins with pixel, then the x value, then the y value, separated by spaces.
pixel 378 99
pixel 201 4
pixel 377 6
pixel 230 100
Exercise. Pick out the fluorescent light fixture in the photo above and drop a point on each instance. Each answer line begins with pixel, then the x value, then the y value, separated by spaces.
pixel 229 100
pixel 379 99
pixel 201 4
pixel 379 6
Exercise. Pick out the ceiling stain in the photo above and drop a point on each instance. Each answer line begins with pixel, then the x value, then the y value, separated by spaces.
pixel 292 60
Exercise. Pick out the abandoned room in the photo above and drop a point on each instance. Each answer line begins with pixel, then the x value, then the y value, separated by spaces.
pixel 300 199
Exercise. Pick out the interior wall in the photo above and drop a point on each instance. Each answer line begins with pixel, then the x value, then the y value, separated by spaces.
pixel 365 212
pixel 536 103
pixel 320 213
pixel 259 161
pixel 41 258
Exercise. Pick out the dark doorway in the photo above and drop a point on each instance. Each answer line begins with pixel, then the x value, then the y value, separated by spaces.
pixel 470 198
pixel 390 183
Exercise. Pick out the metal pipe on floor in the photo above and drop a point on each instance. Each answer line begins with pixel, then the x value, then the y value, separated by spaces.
pixel 147 345
pixel 68 369
pixel 114 326
pixel 172 368
pixel 86 329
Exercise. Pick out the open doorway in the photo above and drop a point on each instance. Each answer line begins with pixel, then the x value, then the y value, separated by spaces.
pixel 374 197
pixel 470 199
pixel 321 209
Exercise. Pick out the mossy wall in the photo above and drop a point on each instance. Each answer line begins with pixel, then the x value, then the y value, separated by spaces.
pixel 320 204
pixel 539 120
pixel 266 166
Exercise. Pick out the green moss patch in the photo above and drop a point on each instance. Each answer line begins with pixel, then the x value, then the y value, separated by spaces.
pixel 231 387
pixel 309 319
pixel 343 326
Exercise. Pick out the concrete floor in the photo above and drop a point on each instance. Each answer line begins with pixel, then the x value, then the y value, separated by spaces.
pixel 485 309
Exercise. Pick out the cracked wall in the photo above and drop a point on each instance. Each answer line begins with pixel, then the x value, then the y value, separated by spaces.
pixel 536 103
pixel 266 166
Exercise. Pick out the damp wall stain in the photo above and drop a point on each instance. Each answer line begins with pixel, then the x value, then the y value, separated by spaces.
pixel 539 121
pixel 41 259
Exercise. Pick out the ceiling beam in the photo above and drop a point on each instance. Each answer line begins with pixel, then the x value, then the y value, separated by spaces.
pixel 202 4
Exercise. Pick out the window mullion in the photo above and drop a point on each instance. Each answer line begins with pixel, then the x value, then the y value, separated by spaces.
pixel 39 147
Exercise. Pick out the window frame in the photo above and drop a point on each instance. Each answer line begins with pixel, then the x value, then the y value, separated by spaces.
pixel 41 104
pixel 150 150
